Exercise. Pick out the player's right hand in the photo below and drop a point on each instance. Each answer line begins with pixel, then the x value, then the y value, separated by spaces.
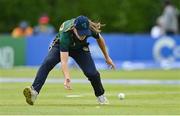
pixel 67 83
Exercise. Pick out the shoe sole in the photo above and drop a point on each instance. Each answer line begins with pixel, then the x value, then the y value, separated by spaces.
pixel 27 94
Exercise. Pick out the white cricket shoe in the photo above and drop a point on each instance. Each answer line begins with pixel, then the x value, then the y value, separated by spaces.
pixel 30 95
pixel 102 100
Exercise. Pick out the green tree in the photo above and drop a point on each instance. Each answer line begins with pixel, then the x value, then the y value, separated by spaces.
pixel 126 16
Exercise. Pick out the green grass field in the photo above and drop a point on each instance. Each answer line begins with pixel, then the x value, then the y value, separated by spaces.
pixel 53 99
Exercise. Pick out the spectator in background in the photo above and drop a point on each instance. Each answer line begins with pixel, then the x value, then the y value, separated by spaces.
pixel 22 30
pixel 158 30
pixel 170 18
pixel 44 27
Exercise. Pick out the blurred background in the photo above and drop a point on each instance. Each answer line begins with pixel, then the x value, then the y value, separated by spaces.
pixel 139 34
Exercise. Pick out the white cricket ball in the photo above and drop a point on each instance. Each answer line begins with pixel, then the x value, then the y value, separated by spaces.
pixel 121 96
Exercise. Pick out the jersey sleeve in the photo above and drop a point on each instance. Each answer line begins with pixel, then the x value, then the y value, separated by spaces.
pixel 95 35
pixel 64 42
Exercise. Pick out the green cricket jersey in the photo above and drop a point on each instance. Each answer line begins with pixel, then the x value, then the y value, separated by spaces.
pixel 68 40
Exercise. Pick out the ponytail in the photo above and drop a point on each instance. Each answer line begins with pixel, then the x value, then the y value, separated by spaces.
pixel 95 26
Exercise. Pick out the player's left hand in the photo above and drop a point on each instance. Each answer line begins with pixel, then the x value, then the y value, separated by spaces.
pixel 110 63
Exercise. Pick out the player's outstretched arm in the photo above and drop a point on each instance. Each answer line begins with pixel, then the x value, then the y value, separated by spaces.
pixel 102 46
pixel 64 63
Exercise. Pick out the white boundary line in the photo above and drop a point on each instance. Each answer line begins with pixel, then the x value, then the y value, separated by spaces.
pixel 84 81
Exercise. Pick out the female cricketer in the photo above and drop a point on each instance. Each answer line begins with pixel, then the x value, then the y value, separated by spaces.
pixel 72 41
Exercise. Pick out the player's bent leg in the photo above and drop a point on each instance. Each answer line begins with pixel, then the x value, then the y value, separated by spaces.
pixel 86 63
pixel 50 61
